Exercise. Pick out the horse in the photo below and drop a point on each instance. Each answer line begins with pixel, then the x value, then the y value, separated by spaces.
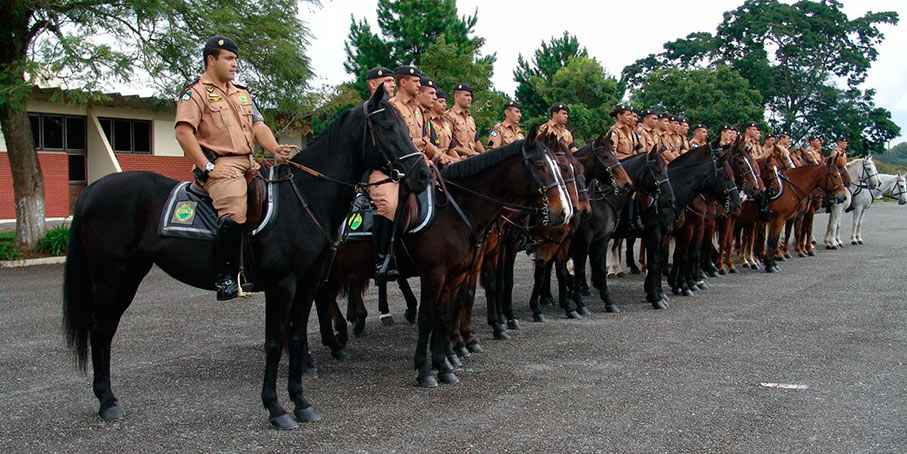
pixel 471 195
pixel 114 242
pixel 648 171
pixel 864 176
pixel 893 186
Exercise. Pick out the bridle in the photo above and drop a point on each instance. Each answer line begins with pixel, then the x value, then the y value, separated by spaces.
pixel 651 165
pixel 609 169
pixel 392 163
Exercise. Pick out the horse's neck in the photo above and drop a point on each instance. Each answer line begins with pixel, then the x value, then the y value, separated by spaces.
pixel 341 163
pixel 809 179
pixel 636 169
pixel 481 210
pixel 689 184
pixel 854 168
pixel 887 183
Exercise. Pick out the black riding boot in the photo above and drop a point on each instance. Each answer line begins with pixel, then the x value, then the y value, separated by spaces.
pixel 765 211
pixel 382 232
pixel 633 218
pixel 227 244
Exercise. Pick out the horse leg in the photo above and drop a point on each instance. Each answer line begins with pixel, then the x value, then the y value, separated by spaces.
pixel 579 275
pixel 563 280
pixel 278 301
pixel 506 277
pixel 538 277
pixel 447 319
pixel 356 312
pixel 410 298
pixel 327 310
pixel 598 260
pixel 387 319
pixel 111 298
pixel 430 296
pixel 296 353
pixel 652 244
pixel 774 231
pixel 546 298
pixel 468 301
pixel 614 268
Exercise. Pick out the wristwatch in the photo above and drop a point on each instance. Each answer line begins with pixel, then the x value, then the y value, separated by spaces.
pixel 209 166
pixel 202 175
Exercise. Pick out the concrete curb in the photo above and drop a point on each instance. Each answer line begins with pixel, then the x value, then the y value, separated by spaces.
pixel 31 262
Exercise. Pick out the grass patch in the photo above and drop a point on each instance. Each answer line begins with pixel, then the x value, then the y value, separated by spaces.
pixel 55 242
pixel 8 251
pixel 8 236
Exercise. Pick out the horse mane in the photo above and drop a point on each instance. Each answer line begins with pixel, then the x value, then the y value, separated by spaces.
pixel 322 142
pixel 682 159
pixel 476 164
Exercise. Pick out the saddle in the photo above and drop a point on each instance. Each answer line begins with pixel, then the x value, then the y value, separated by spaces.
pixel 417 211
pixel 189 213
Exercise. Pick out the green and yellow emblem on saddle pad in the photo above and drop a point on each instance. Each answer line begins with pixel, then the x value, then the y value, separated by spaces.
pixel 184 213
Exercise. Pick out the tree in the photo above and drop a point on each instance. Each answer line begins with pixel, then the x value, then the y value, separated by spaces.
pixel 90 42
pixel 705 95
pixel 408 29
pixel 897 155
pixel 586 88
pixel 794 54
pixel 548 59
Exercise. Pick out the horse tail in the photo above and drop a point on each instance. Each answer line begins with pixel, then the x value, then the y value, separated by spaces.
pixel 77 295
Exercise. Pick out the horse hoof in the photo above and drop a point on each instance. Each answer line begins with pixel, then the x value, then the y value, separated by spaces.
pixel 787 256
pixel 501 335
pixel 584 311
pixel 801 254
pixel 635 270
pixel 694 287
pixel 359 327
pixel 546 301
pixel 428 381
pixel 812 253
pixel 462 351
pixel 454 361
pixel 660 304
pixel 676 290
pixel 538 318
pixel 283 422
pixel 860 242
pixel 702 286
pixel 813 242
pixel 387 319
pixel 769 269
pixel 410 316
pixel 573 314
pixel 687 292
pixel 448 378
pixel 112 413
pixel 831 248
pixel 733 271
pixel 612 308
pixel 513 324
pixel 722 272
pixel 715 273
pixel 745 265
pixel 307 414
pixel 780 258
pixel 341 355
pixel 475 347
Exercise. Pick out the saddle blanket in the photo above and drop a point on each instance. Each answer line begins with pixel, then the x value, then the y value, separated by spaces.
pixel 189 213
pixel 417 212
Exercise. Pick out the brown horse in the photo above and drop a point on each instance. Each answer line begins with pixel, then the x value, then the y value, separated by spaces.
pixel 472 194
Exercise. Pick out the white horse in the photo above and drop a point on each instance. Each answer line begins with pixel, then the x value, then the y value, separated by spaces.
pixel 894 186
pixel 863 176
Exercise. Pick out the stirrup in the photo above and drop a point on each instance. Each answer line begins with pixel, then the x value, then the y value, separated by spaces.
pixel 241 282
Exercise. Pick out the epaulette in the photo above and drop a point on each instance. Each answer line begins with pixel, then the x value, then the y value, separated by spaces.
pixel 190 84
pixel 240 87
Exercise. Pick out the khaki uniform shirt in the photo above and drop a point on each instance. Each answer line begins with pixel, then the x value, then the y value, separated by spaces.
pixel 841 157
pixel 667 140
pixel 443 133
pixel 561 132
pixel 685 144
pixel 624 140
pixel 504 134
pixel 650 138
pixel 752 147
pixel 694 144
pixel 464 129
pixel 414 119
pixel 222 119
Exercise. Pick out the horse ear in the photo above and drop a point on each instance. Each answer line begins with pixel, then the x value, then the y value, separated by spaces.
pixel 599 141
pixel 379 95
pixel 532 135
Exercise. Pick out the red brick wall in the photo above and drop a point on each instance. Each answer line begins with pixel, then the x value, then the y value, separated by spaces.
pixel 55 167
pixel 176 167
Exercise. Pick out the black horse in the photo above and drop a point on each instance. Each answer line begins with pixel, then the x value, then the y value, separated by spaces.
pixel 114 242
pixel 648 172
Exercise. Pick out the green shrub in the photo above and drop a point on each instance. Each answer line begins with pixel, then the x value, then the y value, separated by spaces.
pixel 55 242
pixel 8 251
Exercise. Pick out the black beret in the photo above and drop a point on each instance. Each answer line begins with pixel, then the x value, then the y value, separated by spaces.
pixel 408 70
pixel 811 138
pixel 784 134
pixel 843 139
pixel 462 87
pixel 663 115
pixel 426 82
pixel 380 71
pixel 674 118
pixel 620 108
pixel 512 104
pixel 725 127
pixel 222 42
pixel 646 112
pixel 771 136
pixel 559 106
pixel 442 95
pixel 683 120
pixel 750 124
pixel 700 125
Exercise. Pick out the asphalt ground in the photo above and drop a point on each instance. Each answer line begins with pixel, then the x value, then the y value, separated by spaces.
pixel 684 380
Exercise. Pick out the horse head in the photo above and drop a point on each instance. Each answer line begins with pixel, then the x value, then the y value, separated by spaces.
pixel 901 185
pixel 771 177
pixel 731 194
pixel 746 170
pixel 604 154
pixel 833 183
pixel 386 144
pixel 656 182
pixel 545 175
pixel 869 174
pixel 565 161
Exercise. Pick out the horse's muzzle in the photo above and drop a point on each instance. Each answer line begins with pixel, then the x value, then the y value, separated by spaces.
pixel 417 179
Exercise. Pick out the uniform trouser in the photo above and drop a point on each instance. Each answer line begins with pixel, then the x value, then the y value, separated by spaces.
pixel 384 196
pixel 229 194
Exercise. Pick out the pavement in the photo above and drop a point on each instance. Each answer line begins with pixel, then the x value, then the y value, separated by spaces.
pixel 687 379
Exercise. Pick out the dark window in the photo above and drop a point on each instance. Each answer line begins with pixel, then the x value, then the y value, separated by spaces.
pixel 127 136
pixel 52 132
pixel 77 167
pixel 141 134
pixel 75 133
pixel 35 120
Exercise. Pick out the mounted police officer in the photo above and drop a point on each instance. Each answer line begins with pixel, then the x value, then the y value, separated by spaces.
pixel 507 131
pixel 622 134
pixel 557 124
pixel 380 76
pixel 465 133
pixel 751 135
pixel 427 97
pixel 217 125
pixel 700 135
pixel 647 129
pixel 440 125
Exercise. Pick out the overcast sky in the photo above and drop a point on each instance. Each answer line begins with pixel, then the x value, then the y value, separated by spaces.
pixel 610 31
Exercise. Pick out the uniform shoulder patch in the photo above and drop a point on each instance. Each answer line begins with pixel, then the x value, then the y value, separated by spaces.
pixel 494 133
pixel 186 96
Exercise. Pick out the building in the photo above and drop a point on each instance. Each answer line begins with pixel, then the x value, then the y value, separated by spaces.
pixel 78 144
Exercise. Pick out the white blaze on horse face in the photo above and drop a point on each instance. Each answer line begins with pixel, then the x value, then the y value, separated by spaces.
pixel 902 190
pixel 874 181
pixel 561 189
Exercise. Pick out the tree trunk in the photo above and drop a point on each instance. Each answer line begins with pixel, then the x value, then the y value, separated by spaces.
pixel 28 181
